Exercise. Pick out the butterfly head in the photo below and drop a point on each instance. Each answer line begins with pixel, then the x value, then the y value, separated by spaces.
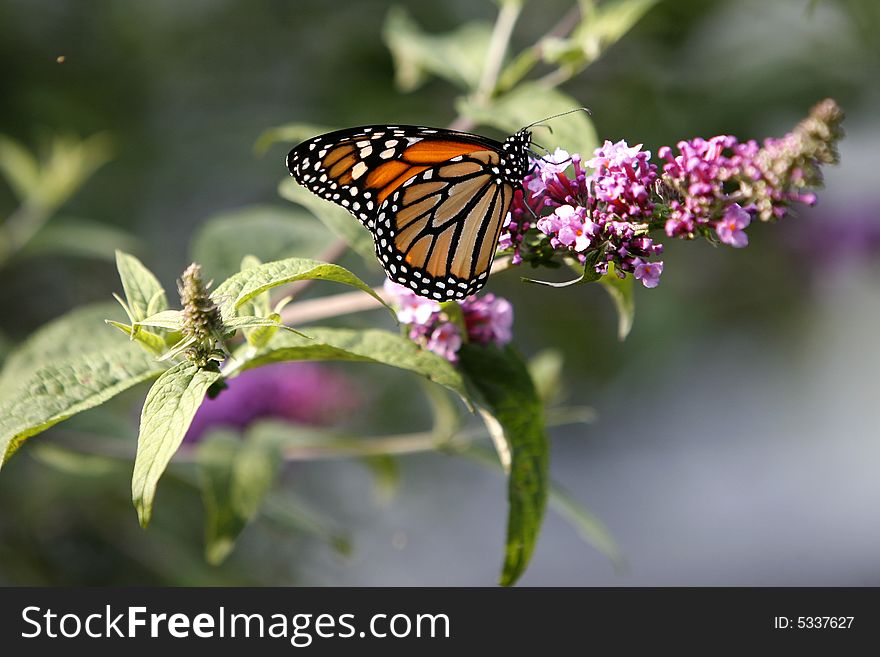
pixel 515 156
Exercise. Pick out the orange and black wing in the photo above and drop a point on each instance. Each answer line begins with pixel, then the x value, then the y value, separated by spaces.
pixel 437 233
pixel 434 199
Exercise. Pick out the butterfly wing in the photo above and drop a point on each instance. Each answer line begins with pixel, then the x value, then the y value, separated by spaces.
pixel 437 233
pixel 434 200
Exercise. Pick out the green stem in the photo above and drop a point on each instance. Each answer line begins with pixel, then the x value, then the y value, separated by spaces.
pixel 319 449
pixel 337 305
pixel 324 447
pixel 501 33
pixel 556 77
pixel 410 443
pixel 527 59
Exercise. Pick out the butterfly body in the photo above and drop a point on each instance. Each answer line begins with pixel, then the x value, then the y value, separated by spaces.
pixel 434 200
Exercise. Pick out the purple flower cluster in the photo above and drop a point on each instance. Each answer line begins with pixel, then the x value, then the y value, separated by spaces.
pixel 730 228
pixel 488 319
pixel 697 175
pixel 520 219
pixel 603 210
pixel 717 182
pixel 711 178
pixel 484 320
pixel 297 392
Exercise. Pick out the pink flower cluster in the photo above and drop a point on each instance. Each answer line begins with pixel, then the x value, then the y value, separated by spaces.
pixel 520 219
pixel 603 210
pixel 698 175
pixel 621 179
pixel 487 320
pixel 717 182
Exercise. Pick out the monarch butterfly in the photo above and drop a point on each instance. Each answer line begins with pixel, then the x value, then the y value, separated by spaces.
pixel 434 200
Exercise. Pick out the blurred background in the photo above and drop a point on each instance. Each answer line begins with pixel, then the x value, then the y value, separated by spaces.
pixel 736 439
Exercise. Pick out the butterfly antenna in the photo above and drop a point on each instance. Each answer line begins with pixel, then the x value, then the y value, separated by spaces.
pixel 535 155
pixel 556 116
pixel 566 161
pixel 541 125
pixel 531 209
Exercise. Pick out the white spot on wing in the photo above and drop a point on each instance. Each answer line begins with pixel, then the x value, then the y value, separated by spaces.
pixel 357 171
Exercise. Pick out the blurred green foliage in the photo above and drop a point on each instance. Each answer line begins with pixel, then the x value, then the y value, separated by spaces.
pixel 184 91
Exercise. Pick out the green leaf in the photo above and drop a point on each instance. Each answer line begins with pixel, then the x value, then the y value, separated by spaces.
pixel 74 463
pixel 386 476
pixel 216 462
pixel 269 233
pixel 168 411
pixel 259 330
pixel 518 68
pixel 447 419
pixel 78 332
pixel 601 26
pixel 143 292
pixel 530 102
pixel 259 335
pixel 249 261
pixel 621 291
pixel 69 163
pixel 56 391
pixel 155 343
pixel 456 56
pixel 606 23
pixel 260 305
pixel 290 133
pixel 247 284
pixel 46 184
pixel 291 512
pixel 545 368
pixel 82 238
pixel 19 167
pixel 503 381
pixel 366 346
pixel 591 530
pixel 165 319
pixel 273 321
pixel 337 219
pixel 235 475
